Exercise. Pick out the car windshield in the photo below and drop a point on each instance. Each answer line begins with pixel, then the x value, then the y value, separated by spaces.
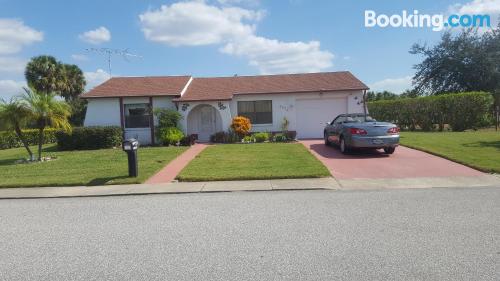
pixel 359 118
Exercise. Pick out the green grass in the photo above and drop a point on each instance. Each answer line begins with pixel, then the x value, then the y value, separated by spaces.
pixel 479 149
pixel 89 167
pixel 253 161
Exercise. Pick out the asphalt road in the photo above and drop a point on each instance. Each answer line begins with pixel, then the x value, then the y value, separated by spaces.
pixel 431 234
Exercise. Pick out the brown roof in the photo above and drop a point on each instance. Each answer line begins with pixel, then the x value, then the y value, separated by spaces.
pixel 223 88
pixel 139 86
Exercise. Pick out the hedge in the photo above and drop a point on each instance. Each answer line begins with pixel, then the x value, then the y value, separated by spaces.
pixel 460 111
pixel 82 138
pixel 9 139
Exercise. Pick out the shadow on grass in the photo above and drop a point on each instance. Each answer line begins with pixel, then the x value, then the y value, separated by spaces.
pixel 103 181
pixel 8 162
pixel 494 144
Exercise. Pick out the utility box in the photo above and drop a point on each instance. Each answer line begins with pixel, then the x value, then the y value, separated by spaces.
pixel 131 146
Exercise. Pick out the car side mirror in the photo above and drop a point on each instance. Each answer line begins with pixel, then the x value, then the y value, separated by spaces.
pixel 328 123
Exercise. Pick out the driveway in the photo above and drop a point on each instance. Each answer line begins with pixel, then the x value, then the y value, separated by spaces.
pixel 404 163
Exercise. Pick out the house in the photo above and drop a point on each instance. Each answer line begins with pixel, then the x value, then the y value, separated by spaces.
pixel 208 105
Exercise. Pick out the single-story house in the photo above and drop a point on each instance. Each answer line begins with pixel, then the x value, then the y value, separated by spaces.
pixel 208 104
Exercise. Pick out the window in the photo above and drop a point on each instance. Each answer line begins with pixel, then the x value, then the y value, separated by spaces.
pixel 137 115
pixel 259 112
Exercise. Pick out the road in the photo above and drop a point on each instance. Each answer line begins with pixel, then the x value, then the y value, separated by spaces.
pixel 426 234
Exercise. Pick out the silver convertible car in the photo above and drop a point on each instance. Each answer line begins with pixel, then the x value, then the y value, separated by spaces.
pixel 361 131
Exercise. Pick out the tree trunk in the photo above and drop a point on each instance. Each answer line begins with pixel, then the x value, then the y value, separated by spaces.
pixel 40 142
pixel 23 140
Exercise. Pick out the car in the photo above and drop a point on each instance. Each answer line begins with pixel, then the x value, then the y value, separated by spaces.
pixel 350 131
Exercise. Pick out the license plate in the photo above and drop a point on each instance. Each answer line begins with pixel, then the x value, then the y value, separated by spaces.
pixel 377 141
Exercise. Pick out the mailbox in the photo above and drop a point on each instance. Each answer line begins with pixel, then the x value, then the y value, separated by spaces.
pixel 130 146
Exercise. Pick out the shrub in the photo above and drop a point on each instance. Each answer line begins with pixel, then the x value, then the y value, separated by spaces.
pixel 261 137
pixel 83 138
pixel 167 117
pixel 461 111
pixel 170 136
pixel 248 139
pixel 280 137
pixel 8 139
pixel 241 126
pixel 225 137
pixel 188 140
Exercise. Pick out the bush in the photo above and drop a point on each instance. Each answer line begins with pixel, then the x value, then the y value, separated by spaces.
pixel 188 140
pixel 261 137
pixel 461 111
pixel 8 139
pixel 167 117
pixel 280 137
pixel 170 136
pixel 248 139
pixel 83 138
pixel 241 126
pixel 225 137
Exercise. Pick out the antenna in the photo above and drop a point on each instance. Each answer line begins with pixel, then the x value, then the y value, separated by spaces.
pixel 108 52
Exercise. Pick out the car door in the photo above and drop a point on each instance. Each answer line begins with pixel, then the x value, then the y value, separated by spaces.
pixel 332 129
pixel 335 128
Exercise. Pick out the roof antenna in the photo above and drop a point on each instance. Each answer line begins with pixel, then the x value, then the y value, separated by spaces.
pixel 108 52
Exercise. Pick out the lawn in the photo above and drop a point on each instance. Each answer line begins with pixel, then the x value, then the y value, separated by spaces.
pixel 253 161
pixel 89 167
pixel 477 149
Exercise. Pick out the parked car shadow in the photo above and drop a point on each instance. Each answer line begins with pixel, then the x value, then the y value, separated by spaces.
pixel 102 181
pixel 334 152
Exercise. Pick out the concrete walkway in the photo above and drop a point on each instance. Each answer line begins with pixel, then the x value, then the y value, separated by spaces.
pixel 173 187
pixel 172 169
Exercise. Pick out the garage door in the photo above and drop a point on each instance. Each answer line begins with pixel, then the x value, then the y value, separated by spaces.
pixel 313 113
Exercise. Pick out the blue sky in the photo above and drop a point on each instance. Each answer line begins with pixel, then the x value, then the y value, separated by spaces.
pixel 219 38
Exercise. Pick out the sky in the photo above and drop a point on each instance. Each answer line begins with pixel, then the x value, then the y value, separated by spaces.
pixel 218 38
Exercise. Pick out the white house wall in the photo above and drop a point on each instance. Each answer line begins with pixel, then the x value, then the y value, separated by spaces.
pixel 103 112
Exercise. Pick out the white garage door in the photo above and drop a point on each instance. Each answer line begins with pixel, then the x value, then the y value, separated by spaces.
pixel 313 113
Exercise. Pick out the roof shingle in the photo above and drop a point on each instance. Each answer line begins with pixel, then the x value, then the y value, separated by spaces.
pixel 223 88
pixel 139 86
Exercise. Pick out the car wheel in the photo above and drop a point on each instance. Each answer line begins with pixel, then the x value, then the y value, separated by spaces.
pixel 389 150
pixel 343 146
pixel 325 137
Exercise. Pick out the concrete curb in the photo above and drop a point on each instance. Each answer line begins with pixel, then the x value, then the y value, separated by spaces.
pixel 251 185
pixel 168 188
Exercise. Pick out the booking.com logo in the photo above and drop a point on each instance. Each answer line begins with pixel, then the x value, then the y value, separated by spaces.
pixel 437 21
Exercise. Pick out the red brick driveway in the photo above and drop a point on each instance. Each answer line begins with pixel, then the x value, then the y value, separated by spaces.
pixel 404 163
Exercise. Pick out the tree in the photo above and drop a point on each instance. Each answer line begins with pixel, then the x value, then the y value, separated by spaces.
pixel 13 116
pixel 47 75
pixel 469 61
pixel 46 110
pixel 44 74
pixel 385 95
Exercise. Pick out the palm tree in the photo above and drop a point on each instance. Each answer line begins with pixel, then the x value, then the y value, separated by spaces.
pixel 46 110
pixel 45 74
pixel 73 82
pixel 13 115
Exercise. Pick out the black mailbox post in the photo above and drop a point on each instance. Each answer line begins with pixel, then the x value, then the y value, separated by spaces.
pixel 130 146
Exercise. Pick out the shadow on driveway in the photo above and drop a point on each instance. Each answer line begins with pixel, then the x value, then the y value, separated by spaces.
pixel 334 152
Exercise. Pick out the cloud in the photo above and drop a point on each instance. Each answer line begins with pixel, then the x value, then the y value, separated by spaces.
pixel 97 36
pixel 79 57
pixel 10 88
pixel 95 78
pixel 480 7
pixel 14 35
pixel 251 3
pixel 196 23
pixel 12 65
pixel 395 85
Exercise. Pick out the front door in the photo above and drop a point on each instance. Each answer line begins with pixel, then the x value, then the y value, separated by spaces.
pixel 207 123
